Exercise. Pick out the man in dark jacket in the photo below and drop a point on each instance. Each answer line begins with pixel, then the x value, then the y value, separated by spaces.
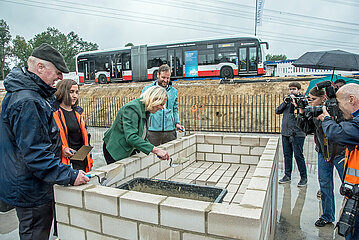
pixel 30 144
pixel 292 137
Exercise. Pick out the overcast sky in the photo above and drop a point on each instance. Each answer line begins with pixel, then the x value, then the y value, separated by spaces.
pixel 290 27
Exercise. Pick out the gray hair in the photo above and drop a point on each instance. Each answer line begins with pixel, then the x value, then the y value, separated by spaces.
pixel 153 96
pixel 33 61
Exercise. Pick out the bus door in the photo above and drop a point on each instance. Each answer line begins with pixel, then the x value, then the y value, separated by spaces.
pixel 89 71
pixel 247 62
pixel 175 62
pixel 118 67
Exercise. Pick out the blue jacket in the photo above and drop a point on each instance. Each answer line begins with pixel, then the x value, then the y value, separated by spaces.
pixel 346 133
pixel 30 144
pixel 166 119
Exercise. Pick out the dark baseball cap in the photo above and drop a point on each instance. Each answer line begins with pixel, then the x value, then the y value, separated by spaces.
pixel 48 53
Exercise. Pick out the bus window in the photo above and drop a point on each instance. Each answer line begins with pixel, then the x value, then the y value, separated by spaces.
pixel 252 59
pixel 205 57
pixel 156 58
pixel 126 61
pixel 242 59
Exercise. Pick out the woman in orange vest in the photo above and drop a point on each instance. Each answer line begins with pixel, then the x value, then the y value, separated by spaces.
pixel 69 119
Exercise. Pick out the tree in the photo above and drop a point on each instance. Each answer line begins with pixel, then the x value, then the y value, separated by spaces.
pixel 21 50
pixel 270 57
pixel 5 53
pixel 129 44
pixel 68 45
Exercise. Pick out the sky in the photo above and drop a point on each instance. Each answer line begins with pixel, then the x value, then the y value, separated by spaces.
pixel 290 27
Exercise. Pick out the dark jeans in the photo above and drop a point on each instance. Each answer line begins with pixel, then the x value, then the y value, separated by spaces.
pixel 158 138
pixel 35 222
pixel 294 145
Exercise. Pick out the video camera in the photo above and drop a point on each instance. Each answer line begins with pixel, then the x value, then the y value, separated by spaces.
pixel 346 221
pixel 331 103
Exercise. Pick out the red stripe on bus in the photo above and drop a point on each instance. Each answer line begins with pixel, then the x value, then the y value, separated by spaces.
pixel 149 76
pixel 209 73
pixel 81 79
pixel 126 78
pixel 261 71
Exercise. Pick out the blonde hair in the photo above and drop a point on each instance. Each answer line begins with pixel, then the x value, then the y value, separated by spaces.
pixel 153 96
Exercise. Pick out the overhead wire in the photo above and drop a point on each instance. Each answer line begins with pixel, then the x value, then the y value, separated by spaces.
pixel 197 27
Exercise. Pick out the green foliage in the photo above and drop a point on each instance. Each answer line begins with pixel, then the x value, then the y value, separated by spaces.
pixel 129 44
pixel 21 50
pixel 5 53
pixel 270 57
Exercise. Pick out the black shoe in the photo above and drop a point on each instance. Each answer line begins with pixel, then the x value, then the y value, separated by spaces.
pixel 285 179
pixel 303 182
pixel 321 222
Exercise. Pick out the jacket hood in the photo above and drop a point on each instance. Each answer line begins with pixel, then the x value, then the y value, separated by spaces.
pixel 21 79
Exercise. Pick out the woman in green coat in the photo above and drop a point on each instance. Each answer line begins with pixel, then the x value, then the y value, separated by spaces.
pixel 129 129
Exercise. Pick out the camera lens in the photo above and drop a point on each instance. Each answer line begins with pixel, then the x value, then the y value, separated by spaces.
pixel 347 219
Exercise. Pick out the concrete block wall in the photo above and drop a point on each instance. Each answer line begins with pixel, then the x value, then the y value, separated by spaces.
pixel 93 211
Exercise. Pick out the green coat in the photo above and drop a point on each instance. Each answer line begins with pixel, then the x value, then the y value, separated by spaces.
pixel 126 131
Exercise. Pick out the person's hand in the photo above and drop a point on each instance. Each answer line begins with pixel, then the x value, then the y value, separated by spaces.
pixel 81 178
pixel 324 114
pixel 180 128
pixel 161 154
pixel 68 152
pixel 293 100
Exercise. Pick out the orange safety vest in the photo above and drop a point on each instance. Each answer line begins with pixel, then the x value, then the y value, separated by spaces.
pixel 61 123
pixel 352 165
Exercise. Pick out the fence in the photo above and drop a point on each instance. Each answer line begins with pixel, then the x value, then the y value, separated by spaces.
pixel 232 113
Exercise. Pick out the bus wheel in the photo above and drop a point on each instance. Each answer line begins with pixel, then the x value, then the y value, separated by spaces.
pixel 102 79
pixel 226 72
pixel 154 76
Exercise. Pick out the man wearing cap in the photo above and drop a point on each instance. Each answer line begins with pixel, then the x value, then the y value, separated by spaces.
pixel 30 144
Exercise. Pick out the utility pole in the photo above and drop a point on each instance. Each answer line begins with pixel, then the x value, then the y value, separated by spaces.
pixel 255 19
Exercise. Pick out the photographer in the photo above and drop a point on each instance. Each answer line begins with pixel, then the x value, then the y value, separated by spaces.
pixel 292 137
pixel 347 132
pixel 330 154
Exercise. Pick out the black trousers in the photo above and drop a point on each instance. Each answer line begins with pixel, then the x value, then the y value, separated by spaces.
pixel 35 222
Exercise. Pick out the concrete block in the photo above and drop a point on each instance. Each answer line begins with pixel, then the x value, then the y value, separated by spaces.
pixel 184 214
pixel 267 157
pixel 207 148
pixel 231 158
pixel 106 196
pixel 253 199
pixel 178 146
pixel 213 139
pixel 149 232
pixel 96 236
pixel 191 236
pixel 85 219
pixel 143 173
pixel 66 232
pixel 249 159
pixel 263 141
pixel 237 198
pixel 250 141
pixel 199 138
pixel 70 195
pixel 240 150
pixel 170 172
pixel 119 228
pixel 265 164
pixel 140 206
pixel 213 157
pixel 62 214
pixel 154 170
pixel 258 183
pixel 257 151
pixel 222 148
pixel 232 140
pixel 132 166
pixel 161 176
pixel 262 172
pixel 147 161
pixel 234 221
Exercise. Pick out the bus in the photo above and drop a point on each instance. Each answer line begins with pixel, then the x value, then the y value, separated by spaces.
pixel 224 58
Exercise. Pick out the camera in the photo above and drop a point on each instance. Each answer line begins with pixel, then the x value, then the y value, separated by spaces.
pixel 313 111
pixel 332 103
pixel 346 221
pixel 300 100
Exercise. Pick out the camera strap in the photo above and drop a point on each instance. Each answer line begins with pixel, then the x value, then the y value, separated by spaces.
pixel 326 149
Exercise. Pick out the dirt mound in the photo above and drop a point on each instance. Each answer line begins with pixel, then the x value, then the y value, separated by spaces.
pixel 189 88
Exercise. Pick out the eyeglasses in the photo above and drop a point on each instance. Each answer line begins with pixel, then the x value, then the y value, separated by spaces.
pixel 293 89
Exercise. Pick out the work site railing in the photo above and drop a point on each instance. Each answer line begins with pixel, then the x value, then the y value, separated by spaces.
pixel 232 113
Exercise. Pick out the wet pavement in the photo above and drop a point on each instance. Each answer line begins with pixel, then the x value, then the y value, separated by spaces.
pixel 298 208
